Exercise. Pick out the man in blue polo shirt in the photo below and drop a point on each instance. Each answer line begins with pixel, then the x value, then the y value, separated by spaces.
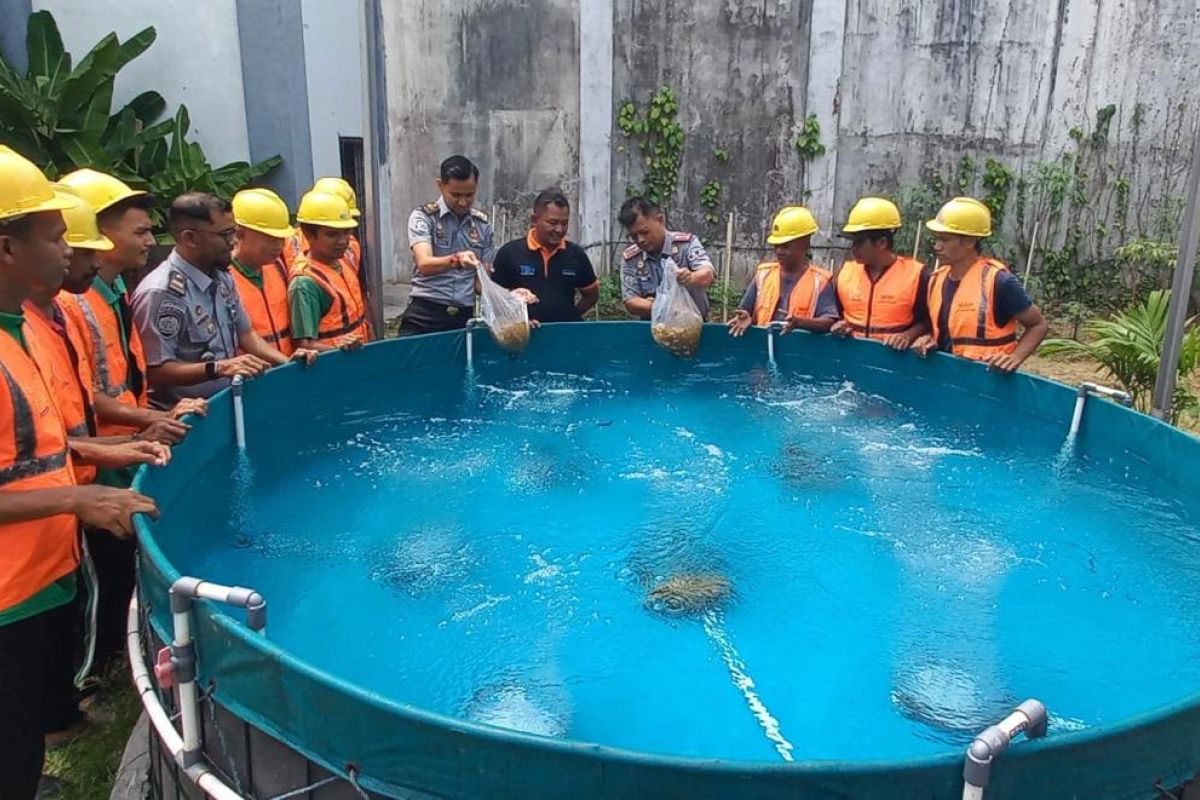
pixel 548 266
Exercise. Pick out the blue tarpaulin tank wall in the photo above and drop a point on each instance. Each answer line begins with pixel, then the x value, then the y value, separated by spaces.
pixel 465 571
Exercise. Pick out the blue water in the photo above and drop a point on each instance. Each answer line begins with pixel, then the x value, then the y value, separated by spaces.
pixel 904 570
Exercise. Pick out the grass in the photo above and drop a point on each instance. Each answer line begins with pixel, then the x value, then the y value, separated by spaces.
pixel 88 765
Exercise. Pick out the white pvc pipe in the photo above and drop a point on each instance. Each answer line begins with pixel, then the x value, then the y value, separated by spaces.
pixel 470 347
pixel 1077 417
pixel 189 716
pixel 169 738
pixel 239 416
pixel 771 345
pixel 972 792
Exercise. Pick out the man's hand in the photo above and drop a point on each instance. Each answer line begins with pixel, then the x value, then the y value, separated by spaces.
pixel 525 296
pixel 684 276
pixel 466 259
pixel 898 341
pixel 924 345
pixel 111 509
pixel 305 356
pixel 842 328
pixel 1004 362
pixel 247 366
pixel 740 323
pixel 352 342
pixel 164 431
pixel 189 405
pixel 127 454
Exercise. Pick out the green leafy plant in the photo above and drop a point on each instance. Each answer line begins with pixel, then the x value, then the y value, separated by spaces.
pixel 1076 313
pixel 997 181
pixel 1128 345
pixel 720 154
pixel 1147 260
pixel 808 141
pixel 660 141
pixel 710 198
pixel 59 115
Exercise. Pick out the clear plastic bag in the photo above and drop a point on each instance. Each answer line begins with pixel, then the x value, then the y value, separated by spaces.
pixel 507 317
pixel 675 320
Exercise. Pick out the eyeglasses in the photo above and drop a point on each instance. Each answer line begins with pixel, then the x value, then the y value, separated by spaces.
pixel 228 234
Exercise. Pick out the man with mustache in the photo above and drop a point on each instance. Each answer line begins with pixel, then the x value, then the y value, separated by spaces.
pixel 187 310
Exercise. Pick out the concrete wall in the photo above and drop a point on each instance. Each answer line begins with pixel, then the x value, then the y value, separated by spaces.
pixel 333 46
pixel 899 88
pixel 196 60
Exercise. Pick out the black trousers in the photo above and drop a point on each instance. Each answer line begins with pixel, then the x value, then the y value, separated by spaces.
pixel 37 657
pixel 115 570
pixel 429 316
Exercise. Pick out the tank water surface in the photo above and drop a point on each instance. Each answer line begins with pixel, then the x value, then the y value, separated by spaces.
pixel 893 571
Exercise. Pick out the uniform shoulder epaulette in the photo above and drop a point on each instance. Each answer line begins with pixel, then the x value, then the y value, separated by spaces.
pixel 682 237
pixel 177 283
pixel 479 215
pixel 430 208
pixel 630 252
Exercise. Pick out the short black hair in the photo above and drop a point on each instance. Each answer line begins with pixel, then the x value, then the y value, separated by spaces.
pixel 882 234
pixel 550 197
pixel 117 210
pixel 19 227
pixel 634 207
pixel 458 168
pixel 193 207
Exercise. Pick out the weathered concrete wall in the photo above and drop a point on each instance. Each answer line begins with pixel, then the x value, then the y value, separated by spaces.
pixel 899 88
pixel 495 80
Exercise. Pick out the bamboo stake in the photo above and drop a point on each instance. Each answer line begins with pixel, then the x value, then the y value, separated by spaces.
pixel 1032 248
pixel 728 266
pixel 917 240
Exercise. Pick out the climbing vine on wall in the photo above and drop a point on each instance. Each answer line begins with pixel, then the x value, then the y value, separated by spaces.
pixel 808 140
pixel 660 141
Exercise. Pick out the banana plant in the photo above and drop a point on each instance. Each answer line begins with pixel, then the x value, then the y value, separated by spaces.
pixel 59 115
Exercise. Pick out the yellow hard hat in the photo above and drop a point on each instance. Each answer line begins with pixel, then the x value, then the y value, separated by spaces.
pixel 99 189
pixel 964 216
pixel 873 214
pixel 792 223
pixel 342 188
pixel 328 210
pixel 82 231
pixel 264 211
pixel 23 187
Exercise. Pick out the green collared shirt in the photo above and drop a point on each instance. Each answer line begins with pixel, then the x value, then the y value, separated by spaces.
pixel 252 275
pixel 309 303
pixel 112 295
pixel 13 325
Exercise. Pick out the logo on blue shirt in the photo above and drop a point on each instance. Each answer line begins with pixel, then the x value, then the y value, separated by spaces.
pixel 527 270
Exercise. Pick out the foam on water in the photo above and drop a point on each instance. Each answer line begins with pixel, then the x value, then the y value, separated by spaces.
pixel 904 571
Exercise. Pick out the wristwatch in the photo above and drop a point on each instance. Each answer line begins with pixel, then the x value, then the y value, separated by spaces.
pixel 210 370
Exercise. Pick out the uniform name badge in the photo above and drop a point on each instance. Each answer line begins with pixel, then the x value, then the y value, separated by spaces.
pixel 473 234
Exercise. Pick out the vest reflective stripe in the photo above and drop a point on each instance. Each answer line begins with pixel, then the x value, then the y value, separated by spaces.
pixel 801 303
pixel 295 247
pixel 33 455
pixel 973 331
pixel 347 315
pixel 59 364
pixel 116 373
pixel 886 306
pixel 267 307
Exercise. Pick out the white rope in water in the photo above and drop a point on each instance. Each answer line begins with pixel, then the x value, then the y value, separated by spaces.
pixel 715 628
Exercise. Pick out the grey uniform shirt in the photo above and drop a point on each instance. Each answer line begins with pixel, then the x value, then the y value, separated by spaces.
pixel 641 272
pixel 447 233
pixel 184 315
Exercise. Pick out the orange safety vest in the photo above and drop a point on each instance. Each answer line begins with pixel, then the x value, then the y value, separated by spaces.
pixel 33 455
pixel 268 306
pixel 295 247
pixel 972 324
pixel 883 307
pixel 67 377
pixel 802 302
pixel 348 314
pixel 117 375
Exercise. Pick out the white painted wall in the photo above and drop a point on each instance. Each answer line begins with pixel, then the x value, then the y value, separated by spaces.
pixel 195 61
pixel 332 47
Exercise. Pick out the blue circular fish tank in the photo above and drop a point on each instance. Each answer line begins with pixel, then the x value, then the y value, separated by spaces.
pixel 597 570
